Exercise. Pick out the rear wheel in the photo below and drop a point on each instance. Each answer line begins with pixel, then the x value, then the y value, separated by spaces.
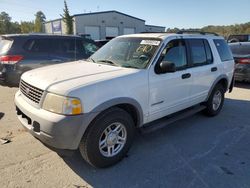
pixel 215 101
pixel 108 138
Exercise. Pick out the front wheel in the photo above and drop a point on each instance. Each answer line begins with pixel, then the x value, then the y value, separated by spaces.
pixel 215 101
pixel 108 138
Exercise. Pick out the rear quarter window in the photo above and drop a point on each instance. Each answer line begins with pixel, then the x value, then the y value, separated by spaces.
pixel 223 50
pixel 5 45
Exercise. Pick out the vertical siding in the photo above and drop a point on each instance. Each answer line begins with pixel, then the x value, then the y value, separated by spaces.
pixel 108 20
pixel 103 20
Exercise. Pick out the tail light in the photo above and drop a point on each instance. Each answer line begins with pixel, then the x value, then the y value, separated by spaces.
pixel 244 61
pixel 10 59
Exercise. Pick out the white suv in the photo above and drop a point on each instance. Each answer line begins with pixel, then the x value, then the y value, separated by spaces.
pixel 96 105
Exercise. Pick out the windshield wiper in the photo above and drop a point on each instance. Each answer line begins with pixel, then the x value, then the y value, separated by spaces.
pixel 108 62
pixel 91 59
pixel 129 66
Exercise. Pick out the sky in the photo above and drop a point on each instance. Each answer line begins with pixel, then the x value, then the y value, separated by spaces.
pixel 167 13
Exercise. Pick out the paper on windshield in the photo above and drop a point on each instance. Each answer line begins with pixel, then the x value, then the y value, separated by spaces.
pixel 150 42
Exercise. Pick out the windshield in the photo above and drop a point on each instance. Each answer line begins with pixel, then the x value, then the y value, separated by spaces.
pixel 127 52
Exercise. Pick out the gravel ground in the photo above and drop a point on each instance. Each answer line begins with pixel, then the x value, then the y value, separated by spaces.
pixel 195 152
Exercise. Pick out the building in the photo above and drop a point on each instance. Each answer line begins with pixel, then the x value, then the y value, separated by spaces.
pixel 101 25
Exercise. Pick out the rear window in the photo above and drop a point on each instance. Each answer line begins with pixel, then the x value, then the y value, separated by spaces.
pixel 5 45
pixel 223 50
pixel 240 49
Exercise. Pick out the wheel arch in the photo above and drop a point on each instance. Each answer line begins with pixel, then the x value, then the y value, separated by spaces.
pixel 223 80
pixel 127 104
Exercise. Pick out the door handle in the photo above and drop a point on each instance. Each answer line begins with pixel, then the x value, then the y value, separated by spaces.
pixel 185 76
pixel 213 69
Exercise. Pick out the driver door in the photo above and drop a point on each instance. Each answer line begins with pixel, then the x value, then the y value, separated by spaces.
pixel 169 92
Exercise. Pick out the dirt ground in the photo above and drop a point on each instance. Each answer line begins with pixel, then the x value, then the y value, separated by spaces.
pixel 194 152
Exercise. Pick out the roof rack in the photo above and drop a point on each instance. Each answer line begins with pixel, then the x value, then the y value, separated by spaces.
pixel 196 32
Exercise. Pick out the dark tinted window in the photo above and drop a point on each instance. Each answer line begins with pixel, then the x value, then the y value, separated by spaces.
pixel 37 45
pixel 223 50
pixel 70 48
pixel 198 51
pixel 175 52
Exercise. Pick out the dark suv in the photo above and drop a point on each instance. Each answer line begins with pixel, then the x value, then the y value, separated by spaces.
pixel 20 53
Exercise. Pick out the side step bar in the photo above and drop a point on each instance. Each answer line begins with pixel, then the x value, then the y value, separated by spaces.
pixel 160 123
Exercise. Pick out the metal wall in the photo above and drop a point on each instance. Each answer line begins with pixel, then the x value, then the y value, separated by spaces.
pixel 104 20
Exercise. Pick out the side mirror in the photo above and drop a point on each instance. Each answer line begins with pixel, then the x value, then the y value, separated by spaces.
pixel 166 66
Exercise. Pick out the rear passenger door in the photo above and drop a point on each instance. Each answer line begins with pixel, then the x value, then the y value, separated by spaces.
pixel 203 69
pixel 66 49
pixel 36 53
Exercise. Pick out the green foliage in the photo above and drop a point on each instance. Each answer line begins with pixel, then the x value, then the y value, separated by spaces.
pixel 221 30
pixel 27 27
pixel 68 20
pixel 15 27
pixel 40 19
pixel 9 27
pixel 5 23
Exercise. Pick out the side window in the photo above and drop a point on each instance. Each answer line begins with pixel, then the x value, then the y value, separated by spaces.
pixel 69 48
pixel 198 52
pixel 37 45
pixel 175 52
pixel 223 50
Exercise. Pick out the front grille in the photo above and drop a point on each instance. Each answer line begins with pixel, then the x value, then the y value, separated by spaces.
pixel 31 92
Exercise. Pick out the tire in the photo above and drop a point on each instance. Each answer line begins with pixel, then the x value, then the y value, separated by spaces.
pixel 103 146
pixel 215 101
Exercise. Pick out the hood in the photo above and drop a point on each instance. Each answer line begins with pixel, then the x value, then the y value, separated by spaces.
pixel 64 77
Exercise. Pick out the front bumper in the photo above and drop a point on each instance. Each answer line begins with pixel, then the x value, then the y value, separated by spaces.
pixel 54 130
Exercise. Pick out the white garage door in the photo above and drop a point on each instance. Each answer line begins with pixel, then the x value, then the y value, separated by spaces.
pixel 128 30
pixel 112 31
pixel 94 31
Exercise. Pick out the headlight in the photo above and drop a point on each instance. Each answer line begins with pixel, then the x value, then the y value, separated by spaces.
pixel 62 105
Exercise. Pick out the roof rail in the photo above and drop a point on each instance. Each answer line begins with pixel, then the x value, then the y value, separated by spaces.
pixel 196 32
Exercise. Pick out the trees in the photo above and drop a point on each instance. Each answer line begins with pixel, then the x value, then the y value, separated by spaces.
pixel 26 27
pixel 39 20
pixel 222 30
pixel 68 20
pixel 5 23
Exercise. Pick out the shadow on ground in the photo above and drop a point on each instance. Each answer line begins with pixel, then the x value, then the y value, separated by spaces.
pixel 1 115
pixel 244 85
pixel 195 152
